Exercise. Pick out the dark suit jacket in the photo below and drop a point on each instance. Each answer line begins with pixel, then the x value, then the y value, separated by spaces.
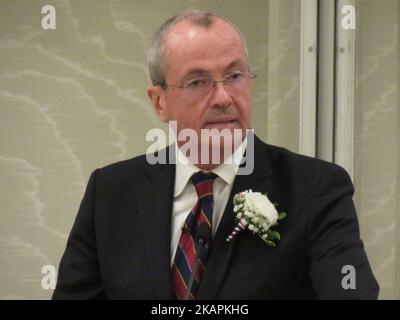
pixel 119 246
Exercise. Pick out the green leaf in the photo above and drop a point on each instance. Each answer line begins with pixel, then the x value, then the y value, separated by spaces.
pixel 268 242
pixel 274 235
pixel 281 215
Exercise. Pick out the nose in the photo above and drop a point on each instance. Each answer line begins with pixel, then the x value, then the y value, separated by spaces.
pixel 220 96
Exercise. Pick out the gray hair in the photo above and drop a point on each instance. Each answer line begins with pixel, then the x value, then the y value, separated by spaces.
pixel 157 47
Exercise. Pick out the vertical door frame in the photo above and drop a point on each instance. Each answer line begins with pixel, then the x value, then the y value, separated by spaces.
pixel 308 77
pixel 344 92
pixel 327 76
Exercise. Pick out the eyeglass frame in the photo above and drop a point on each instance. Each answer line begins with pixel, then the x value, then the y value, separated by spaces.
pixel 212 82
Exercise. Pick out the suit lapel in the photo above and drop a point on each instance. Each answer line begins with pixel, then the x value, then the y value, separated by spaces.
pixel 221 253
pixel 155 207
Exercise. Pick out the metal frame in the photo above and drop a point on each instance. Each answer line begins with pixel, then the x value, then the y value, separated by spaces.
pixel 326 80
pixel 327 77
pixel 308 77
pixel 344 95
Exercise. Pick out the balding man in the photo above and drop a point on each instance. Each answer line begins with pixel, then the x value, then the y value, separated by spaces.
pixel 158 231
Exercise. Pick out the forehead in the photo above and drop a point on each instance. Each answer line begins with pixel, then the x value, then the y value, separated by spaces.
pixel 189 46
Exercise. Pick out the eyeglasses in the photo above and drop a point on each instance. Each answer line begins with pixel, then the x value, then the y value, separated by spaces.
pixel 235 81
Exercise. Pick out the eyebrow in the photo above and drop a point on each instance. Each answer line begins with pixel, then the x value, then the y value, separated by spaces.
pixel 195 72
pixel 202 72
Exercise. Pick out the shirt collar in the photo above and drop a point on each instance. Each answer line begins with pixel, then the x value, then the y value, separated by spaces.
pixel 226 171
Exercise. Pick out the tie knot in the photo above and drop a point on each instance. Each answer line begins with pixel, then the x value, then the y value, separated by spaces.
pixel 203 183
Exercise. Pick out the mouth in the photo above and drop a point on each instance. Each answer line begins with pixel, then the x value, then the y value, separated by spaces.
pixel 222 122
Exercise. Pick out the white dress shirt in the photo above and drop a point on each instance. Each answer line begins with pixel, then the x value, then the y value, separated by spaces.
pixel 185 196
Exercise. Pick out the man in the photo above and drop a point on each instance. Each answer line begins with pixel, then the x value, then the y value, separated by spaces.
pixel 139 231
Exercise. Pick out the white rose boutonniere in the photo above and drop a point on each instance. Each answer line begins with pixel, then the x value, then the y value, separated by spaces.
pixel 256 213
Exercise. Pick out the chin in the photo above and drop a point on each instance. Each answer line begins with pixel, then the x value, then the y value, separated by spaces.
pixel 215 150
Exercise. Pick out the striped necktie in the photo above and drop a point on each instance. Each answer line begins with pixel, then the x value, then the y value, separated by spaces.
pixel 185 256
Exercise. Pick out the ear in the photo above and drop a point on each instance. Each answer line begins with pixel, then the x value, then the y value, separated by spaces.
pixel 157 97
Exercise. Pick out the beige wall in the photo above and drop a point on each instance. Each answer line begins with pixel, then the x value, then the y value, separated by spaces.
pixel 377 137
pixel 283 88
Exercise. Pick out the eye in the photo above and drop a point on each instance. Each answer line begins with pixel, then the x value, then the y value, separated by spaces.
pixel 234 76
pixel 195 83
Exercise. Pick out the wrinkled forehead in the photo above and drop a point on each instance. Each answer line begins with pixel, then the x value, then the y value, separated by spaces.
pixel 186 39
